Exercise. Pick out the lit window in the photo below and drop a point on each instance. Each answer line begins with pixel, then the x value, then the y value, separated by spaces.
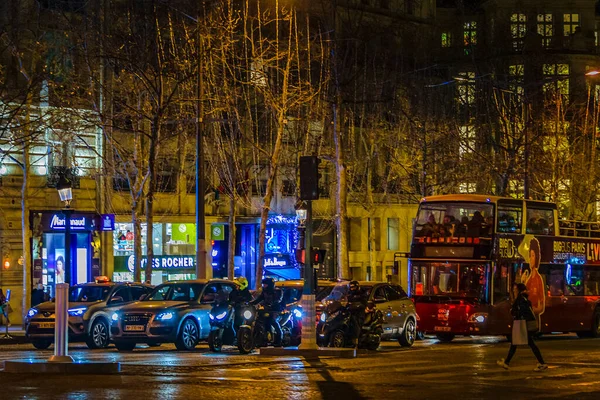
pixel 446 39
pixel 467 187
pixel 570 22
pixel 467 139
pixel 515 187
pixel 545 28
pixel 470 35
pixel 518 29
pixel 465 85
pixel 516 75
pixel 556 79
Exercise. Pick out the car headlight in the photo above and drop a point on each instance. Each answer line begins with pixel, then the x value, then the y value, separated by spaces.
pixel 165 316
pixel 77 312
pixel 323 317
pixel 478 318
pixel 297 313
pixel 31 312
pixel 115 317
pixel 247 314
pixel 221 316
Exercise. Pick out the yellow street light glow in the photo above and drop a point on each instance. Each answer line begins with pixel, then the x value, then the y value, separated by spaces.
pixel 592 73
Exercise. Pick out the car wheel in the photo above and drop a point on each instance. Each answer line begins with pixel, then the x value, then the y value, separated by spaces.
pixel 98 336
pixel 407 338
pixel 188 336
pixel 244 340
pixel 445 337
pixel 125 346
pixel 41 344
pixel 215 343
pixel 337 339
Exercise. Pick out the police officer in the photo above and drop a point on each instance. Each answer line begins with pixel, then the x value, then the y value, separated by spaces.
pixel 357 302
pixel 271 299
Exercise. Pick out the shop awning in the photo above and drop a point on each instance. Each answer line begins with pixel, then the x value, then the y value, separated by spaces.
pixel 285 273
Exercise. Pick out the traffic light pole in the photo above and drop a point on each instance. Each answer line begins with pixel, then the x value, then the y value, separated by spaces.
pixel 309 319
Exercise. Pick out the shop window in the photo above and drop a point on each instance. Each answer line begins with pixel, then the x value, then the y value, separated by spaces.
pixel 591 281
pixel 393 233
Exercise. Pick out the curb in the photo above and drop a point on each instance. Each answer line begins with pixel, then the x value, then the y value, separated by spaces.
pixel 78 368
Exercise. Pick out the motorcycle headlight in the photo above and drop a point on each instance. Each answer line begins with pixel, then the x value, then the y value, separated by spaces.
pixel 31 312
pixel 115 317
pixel 165 316
pixel 323 317
pixel 77 312
pixel 221 316
pixel 297 313
pixel 211 316
pixel 247 314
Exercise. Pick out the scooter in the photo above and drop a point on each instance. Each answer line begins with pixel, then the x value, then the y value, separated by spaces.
pixel 223 319
pixel 335 328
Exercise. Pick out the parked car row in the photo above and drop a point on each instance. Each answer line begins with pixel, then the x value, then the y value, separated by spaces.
pixel 178 312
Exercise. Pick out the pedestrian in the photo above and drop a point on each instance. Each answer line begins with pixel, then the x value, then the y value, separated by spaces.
pixel 524 327
pixel 37 295
pixel 5 308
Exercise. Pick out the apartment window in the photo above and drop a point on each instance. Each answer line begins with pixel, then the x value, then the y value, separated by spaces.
pixel 467 187
pixel 516 74
pixel 446 39
pixel 556 79
pixel 288 188
pixel 570 22
pixel 465 85
pixel 518 29
pixel 467 140
pixel 375 233
pixel 393 233
pixel 355 225
pixel 515 187
pixel 545 28
pixel 469 35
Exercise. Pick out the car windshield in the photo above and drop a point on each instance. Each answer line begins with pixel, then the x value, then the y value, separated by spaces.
pixel 340 292
pixel 88 294
pixel 176 292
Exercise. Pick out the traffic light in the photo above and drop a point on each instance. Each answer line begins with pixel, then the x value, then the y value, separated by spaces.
pixel 318 255
pixel 309 178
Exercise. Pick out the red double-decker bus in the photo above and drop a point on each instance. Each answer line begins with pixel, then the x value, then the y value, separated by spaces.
pixel 468 251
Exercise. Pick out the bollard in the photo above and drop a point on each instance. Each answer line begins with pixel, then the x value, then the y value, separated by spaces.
pixel 61 324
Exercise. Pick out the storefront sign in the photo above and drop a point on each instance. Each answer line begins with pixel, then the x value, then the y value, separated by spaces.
pixel 77 222
pixel 217 232
pixel 277 261
pixel 126 263
pixel 107 222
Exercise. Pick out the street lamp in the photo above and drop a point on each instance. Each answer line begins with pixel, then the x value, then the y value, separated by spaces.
pixel 592 73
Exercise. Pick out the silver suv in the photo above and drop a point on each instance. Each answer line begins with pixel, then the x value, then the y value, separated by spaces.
pixel 90 308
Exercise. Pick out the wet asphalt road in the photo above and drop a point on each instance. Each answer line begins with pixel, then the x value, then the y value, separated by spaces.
pixel 463 369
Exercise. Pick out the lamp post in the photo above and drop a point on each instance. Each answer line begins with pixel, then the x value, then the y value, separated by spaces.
pixel 61 304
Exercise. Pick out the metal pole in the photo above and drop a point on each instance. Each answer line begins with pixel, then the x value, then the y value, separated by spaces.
pixel 309 319
pixel 61 327
pixel 67 266
pixel 200 228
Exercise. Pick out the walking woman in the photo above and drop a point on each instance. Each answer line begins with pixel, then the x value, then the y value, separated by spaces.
pixel 522 312
pixel 4 307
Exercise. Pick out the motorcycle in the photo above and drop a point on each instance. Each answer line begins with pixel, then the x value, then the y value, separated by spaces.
pixel 335 328
pixel 223 319
pixel 255 335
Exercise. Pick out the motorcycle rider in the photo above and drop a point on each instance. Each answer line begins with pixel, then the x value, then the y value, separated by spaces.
pixel 357 302
pixel 271 299
pixel 240 294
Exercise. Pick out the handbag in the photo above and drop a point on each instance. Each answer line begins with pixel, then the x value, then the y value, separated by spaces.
pixel 519 332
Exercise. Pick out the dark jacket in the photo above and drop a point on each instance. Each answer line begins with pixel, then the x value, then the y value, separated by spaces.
pixel 270 299
pixel 521 308
pixel 240 296
pixel 37 296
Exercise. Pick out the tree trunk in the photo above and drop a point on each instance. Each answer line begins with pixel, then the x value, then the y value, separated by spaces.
pixel 343 271
pixel 26 234
pixel 231 257
pixel 137 241
pixel 150 214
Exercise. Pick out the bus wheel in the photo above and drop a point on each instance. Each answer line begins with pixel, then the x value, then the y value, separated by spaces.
pixel 596 325
pixel 445 337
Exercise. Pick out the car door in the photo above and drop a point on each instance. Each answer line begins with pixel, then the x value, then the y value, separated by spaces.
pixel 204 305
pixel 396 306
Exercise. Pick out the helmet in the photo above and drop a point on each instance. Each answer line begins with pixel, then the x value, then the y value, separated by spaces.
pixel 243 282
pixel 353 285
pixel 269 282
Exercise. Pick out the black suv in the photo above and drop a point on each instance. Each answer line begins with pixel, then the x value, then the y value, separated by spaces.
pixel 90 308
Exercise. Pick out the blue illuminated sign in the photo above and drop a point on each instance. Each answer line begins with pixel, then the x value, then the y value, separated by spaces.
pixel 107 222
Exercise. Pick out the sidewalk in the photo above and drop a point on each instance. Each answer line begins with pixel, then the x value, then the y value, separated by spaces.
pixel 17 335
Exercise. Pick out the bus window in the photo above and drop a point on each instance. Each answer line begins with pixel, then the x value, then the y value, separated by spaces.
pixel 555 279
pixel 591 281
pixel 501 283
pixel 509 219
pixel 540 221
pixel 574 280
pixel 454 219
